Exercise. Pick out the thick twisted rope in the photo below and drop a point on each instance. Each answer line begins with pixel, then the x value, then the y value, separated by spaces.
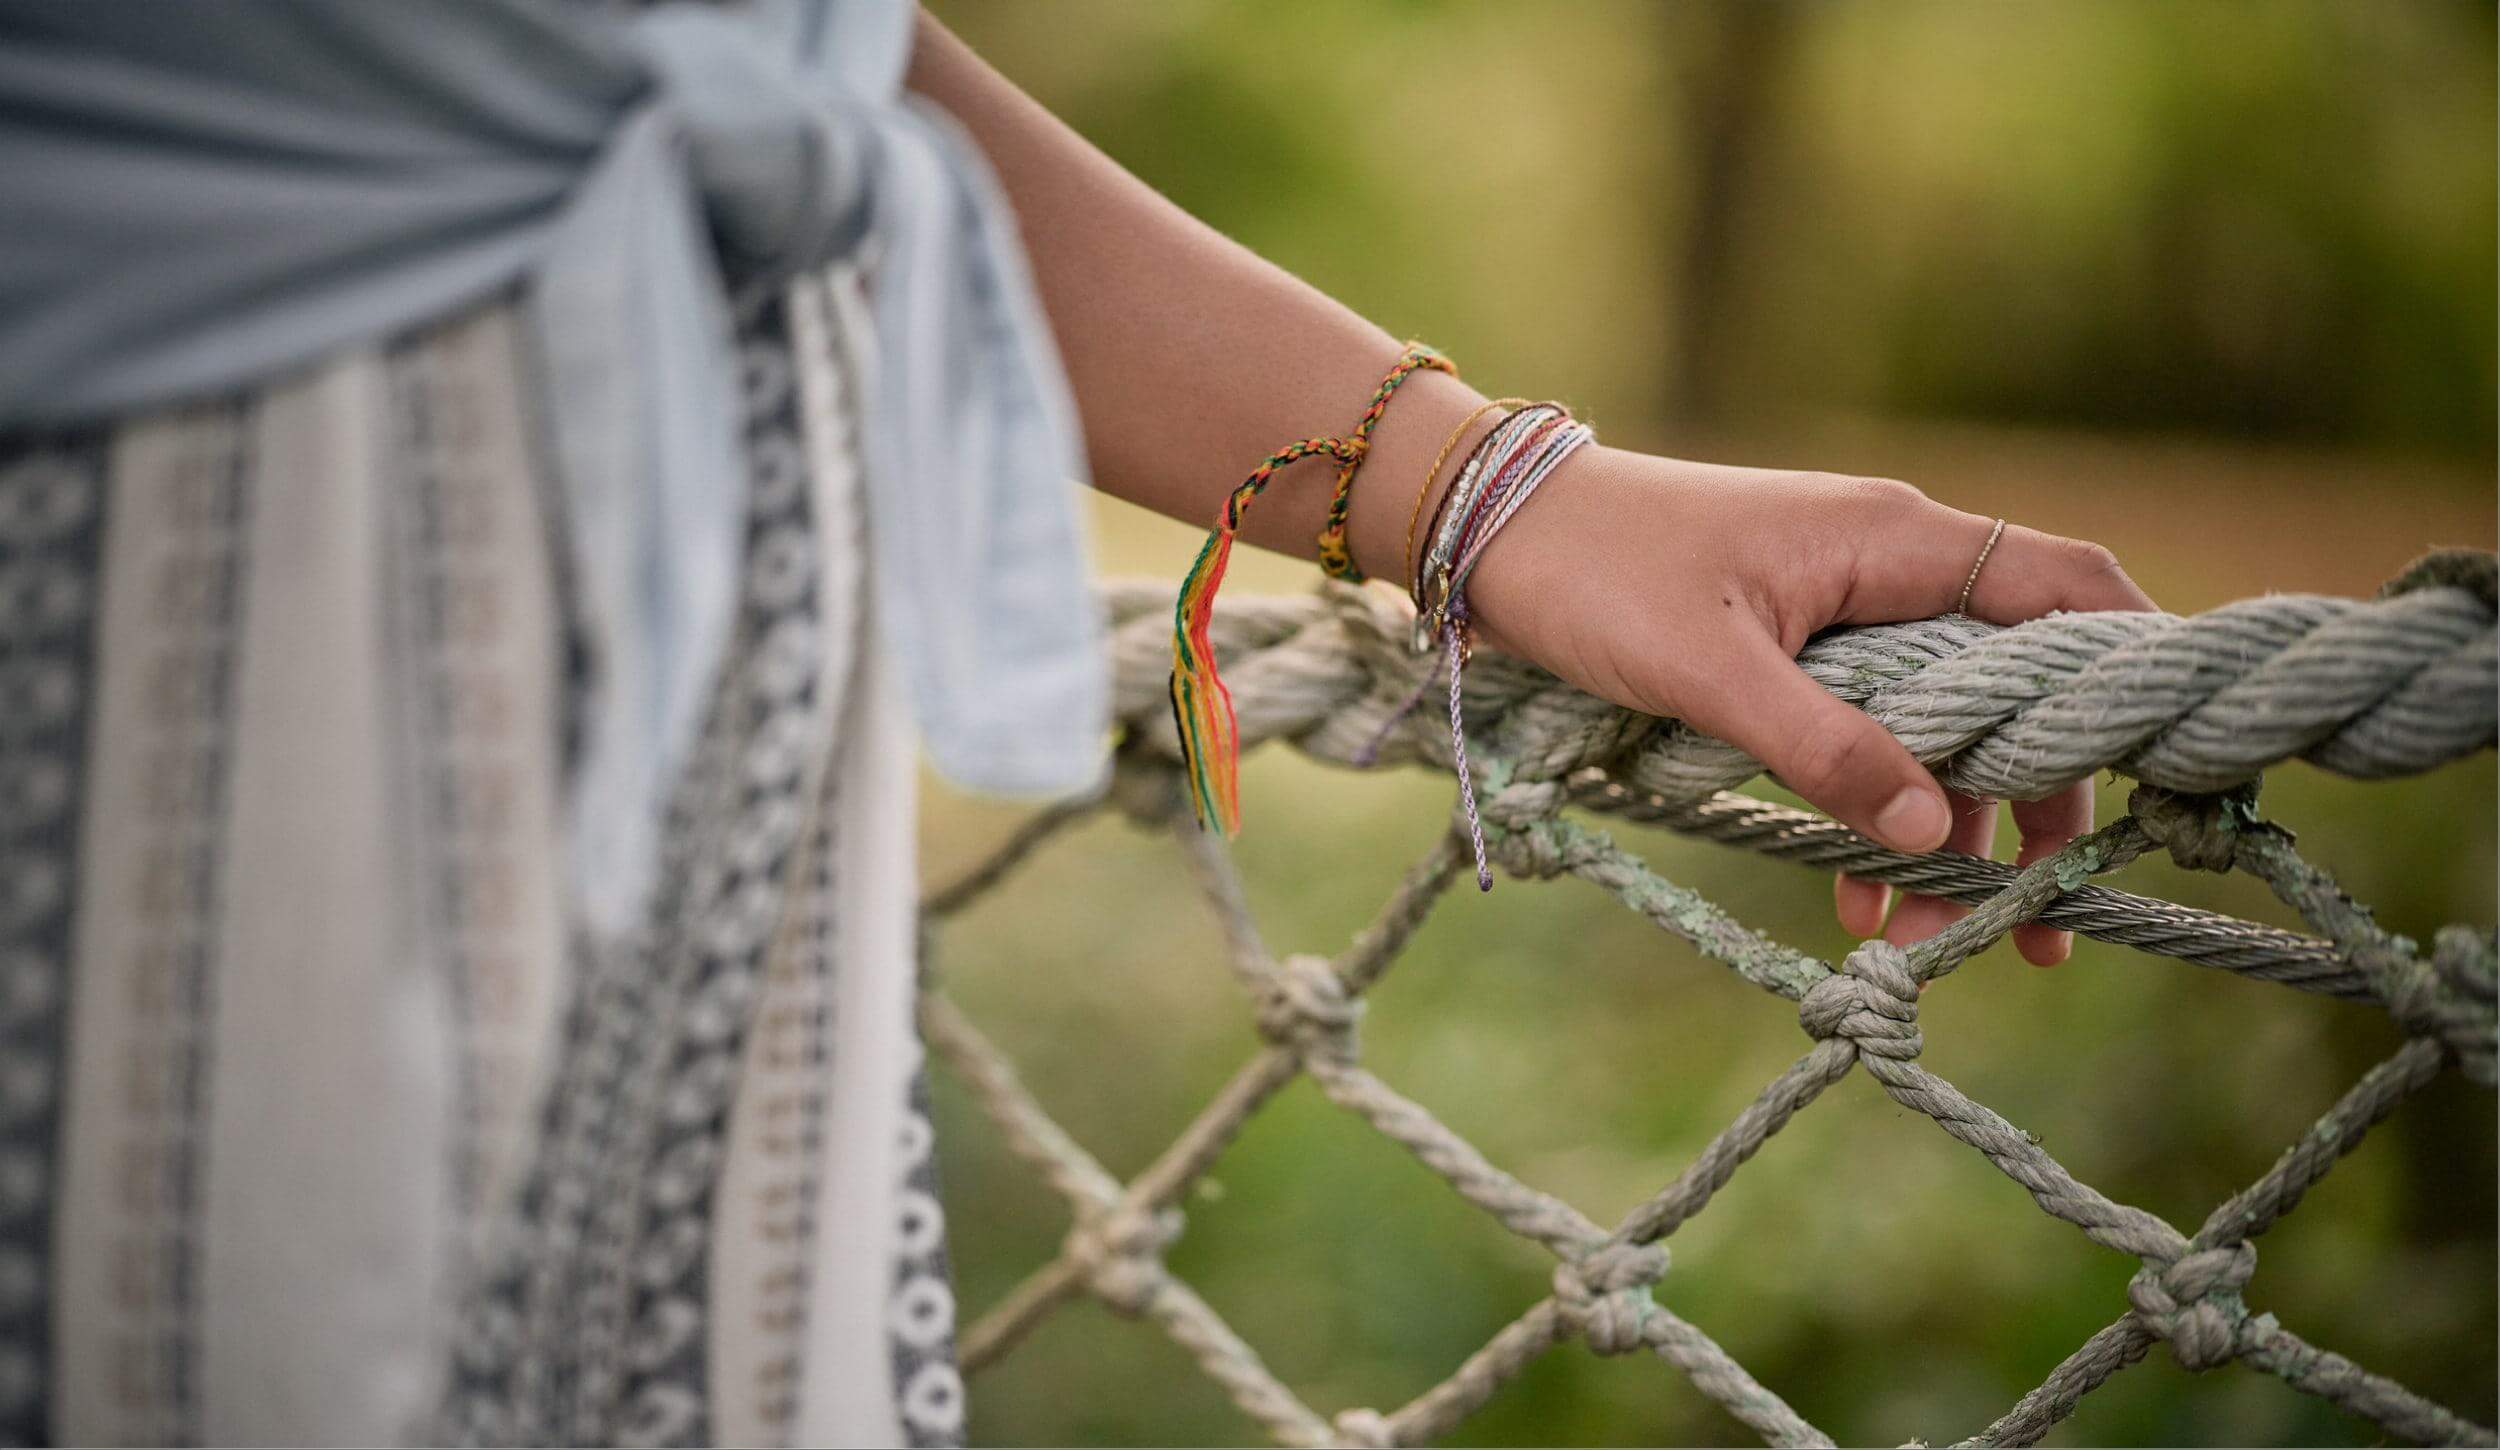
pixel 2366 688
pixel 2369 689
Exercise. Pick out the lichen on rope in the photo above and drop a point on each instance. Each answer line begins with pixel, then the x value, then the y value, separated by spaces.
pixel 2195 709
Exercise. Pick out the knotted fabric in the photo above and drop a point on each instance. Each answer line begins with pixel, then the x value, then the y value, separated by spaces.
pixel 201 198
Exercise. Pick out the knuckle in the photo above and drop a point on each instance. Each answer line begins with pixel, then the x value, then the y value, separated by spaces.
pixel 2088 558
pixel 1876 495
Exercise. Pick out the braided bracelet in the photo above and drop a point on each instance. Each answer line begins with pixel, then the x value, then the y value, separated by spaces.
pixel 1336 560
pixel 1471 476
pixel 1424 490
pixel 1490 471
pixel 1497 480
pixel 1461 489
pixel 1202 708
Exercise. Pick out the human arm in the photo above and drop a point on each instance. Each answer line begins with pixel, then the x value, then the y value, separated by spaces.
pixel 1673 587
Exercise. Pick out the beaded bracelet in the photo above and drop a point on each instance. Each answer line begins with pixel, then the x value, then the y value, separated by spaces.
pixel 1202 708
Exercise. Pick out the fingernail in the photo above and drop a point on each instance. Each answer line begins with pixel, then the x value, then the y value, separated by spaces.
pixel 1914 820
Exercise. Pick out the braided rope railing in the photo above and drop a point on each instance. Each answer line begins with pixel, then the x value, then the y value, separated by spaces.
pixel 2195 709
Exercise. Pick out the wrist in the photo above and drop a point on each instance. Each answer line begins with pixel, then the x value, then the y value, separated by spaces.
pixel 1525 570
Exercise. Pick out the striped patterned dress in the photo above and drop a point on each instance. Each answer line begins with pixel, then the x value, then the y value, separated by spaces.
pixel 322 1117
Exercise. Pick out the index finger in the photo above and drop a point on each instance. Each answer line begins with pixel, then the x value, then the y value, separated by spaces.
pixel 1913 561
pixel 2030 573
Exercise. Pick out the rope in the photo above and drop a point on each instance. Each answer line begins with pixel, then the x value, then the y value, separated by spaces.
pixel 2195 708
pixel 2370 689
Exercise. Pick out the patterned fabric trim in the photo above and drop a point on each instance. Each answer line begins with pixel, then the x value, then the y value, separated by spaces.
pixel 921 1315
pixel 597 1330
pixel 481 634
pixel 51 544
pixel 191 579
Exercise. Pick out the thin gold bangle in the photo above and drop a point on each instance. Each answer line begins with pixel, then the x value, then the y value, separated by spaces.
pixel 1447 444
pixel 1996 531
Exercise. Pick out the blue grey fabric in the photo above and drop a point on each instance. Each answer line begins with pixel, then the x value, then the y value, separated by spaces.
pixel 202 197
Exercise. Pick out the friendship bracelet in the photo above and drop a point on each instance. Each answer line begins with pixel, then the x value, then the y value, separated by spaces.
pixel 1424 490
pixel 1461 486
pixel 1202 708
pixel 1548 448
pixel 1497 480
pixel 1455 499
pixel 1336 560
pixel 1490 470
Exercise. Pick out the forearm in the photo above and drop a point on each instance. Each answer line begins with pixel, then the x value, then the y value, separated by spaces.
pixel 1191 357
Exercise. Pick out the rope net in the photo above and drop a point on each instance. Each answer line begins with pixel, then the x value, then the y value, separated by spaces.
pixel 2194 709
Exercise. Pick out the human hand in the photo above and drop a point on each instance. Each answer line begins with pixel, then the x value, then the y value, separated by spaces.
pixel 1686 589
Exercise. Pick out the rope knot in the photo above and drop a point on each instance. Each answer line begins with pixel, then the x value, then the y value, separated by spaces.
pixel 1365 1430
pixel 1308 1008
pixel 1120 1253
pixel 1517 803
pixel 1524 829
pixel 1603 1296
pixel 1872 1000
pixel 2194 1303
pixel 2455 998
pixel 1532 852
pixel 1519 820
pixel 2202 831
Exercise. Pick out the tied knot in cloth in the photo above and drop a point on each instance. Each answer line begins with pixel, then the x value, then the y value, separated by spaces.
pixel 334 175
pixel 1603 1297
pixel 1121 1255
pixel 1872 1001
pixel 2194 1303
pixel 757 145
pixel 793 153
pixel 780 163
pixel 1308 1008
pixel 2202 831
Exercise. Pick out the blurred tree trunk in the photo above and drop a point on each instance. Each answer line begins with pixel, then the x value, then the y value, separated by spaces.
pixel 1731 54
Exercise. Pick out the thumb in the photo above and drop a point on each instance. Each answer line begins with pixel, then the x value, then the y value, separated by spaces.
pixel 1827 751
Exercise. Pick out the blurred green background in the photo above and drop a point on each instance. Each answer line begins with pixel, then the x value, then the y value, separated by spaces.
pixel 2212 284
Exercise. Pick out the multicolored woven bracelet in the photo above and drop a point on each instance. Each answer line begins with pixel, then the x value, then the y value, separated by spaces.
pixel 1497 479
pixel 1202 708
pixel 1336 560
pixel 1423 490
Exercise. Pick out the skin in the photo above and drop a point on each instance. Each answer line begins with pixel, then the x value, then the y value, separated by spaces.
pixel 1668 586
